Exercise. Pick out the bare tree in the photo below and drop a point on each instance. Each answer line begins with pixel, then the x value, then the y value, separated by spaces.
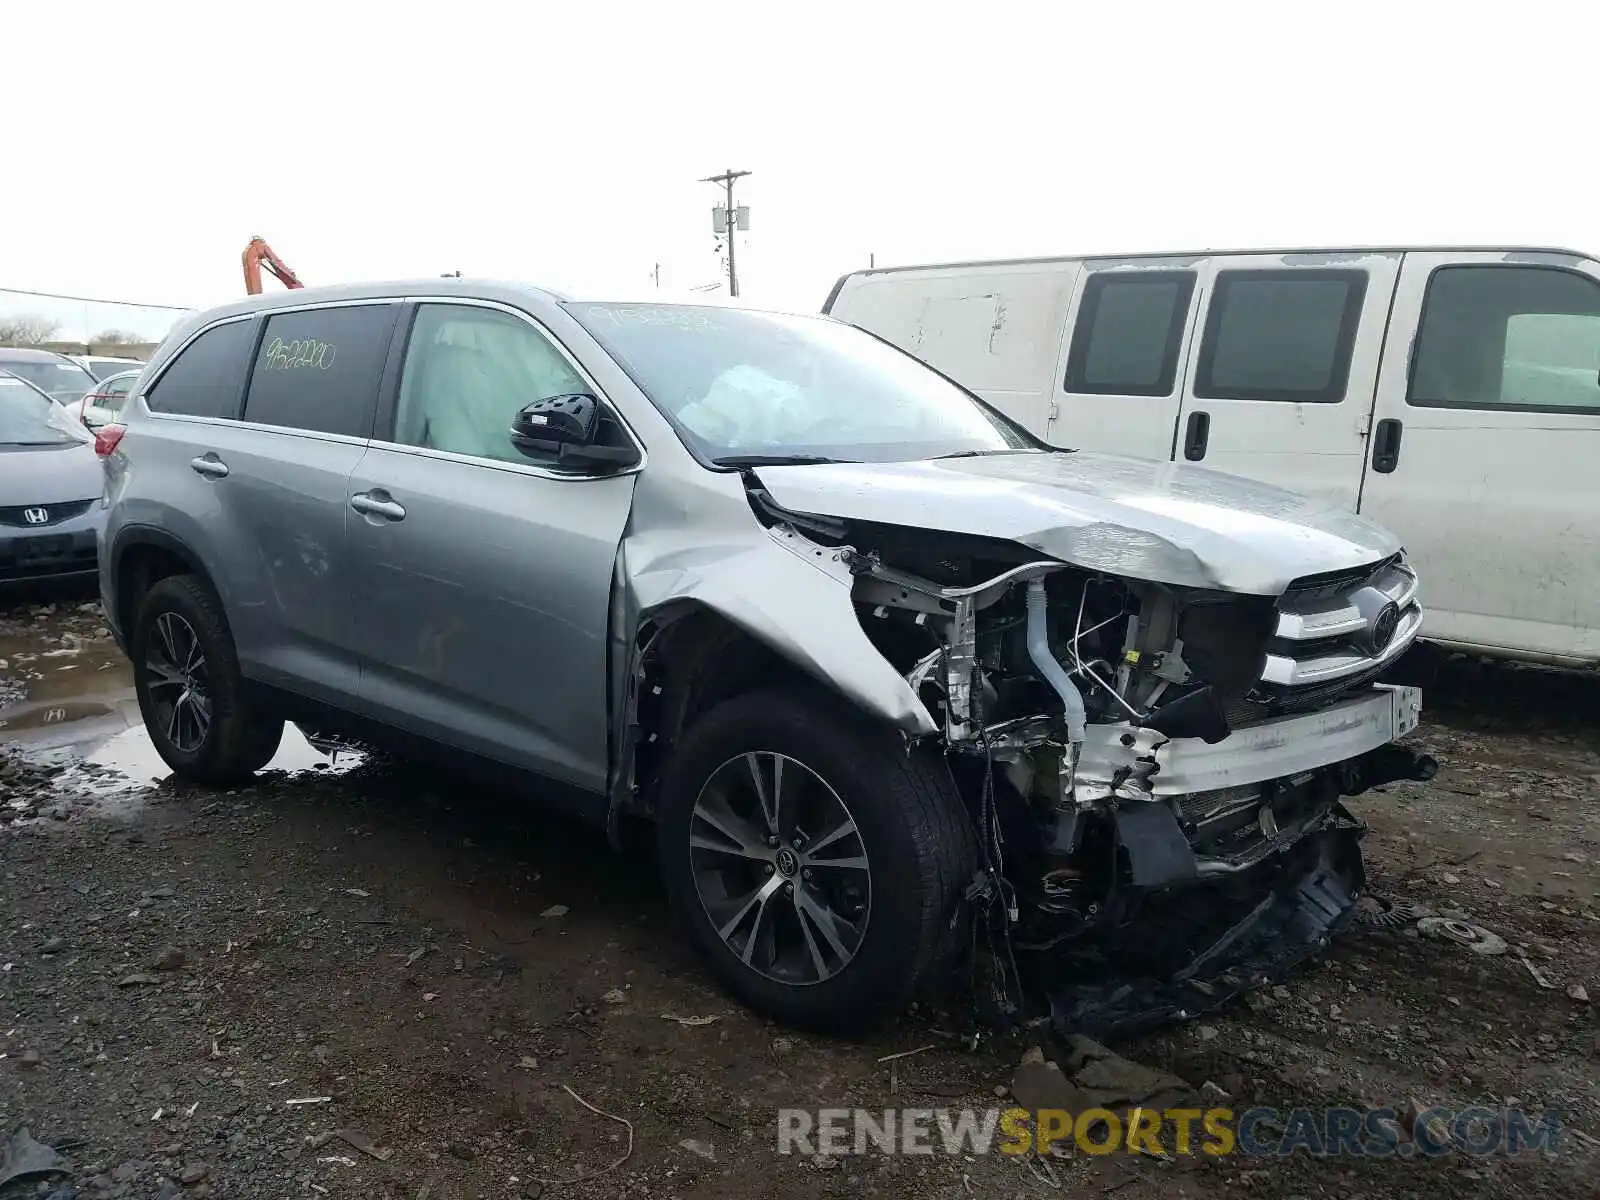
pixel 26 330
pixel 116 337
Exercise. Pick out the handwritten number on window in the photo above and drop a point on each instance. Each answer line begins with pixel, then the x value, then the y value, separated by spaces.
pixel 307 353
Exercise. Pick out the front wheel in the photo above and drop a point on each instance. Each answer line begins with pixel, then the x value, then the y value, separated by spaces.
pixel 814 861
pixel 194 701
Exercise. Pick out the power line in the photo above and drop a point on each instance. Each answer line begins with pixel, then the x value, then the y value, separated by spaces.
pixel 96 300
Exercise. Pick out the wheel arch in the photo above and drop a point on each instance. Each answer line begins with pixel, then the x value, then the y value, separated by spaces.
pixel 141 557
pixel 692 658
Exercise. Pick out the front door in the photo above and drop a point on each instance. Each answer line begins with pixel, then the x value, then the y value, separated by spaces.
pixel 1280 387
pixel 484 577
pixel 1485 452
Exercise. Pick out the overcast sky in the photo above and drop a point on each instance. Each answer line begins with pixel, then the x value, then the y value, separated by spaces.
pixel 563 142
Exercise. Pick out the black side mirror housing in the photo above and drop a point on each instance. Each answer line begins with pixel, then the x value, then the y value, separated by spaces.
pixel 569 428
pixel 562 420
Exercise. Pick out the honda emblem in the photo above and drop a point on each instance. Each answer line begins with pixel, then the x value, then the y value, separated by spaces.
pixel 36 516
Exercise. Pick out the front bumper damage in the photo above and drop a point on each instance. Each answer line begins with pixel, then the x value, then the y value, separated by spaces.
pixel 1157 860
pixel 1196 930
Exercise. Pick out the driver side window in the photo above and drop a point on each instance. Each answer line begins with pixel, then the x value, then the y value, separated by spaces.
pixel 467 372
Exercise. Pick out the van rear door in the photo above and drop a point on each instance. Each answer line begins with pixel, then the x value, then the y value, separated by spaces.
pixel 1486 444
pixel 1280 386
pixel 1127 342
pixel 993 327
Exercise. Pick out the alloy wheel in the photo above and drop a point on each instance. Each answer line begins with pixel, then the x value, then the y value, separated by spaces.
pixel 179 687
pixel 780 868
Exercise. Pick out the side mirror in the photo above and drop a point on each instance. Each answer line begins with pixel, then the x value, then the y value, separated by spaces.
pixel 569 428
pixel 557 420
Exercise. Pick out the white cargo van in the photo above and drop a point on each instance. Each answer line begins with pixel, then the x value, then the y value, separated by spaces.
pixel 1451 394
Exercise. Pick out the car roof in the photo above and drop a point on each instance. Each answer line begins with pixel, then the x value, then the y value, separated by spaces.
pixel 23 354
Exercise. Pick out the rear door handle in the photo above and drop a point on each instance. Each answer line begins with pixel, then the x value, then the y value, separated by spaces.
pixel 378 504
pixel 1386 445
pixel 210 466
pixel 1195 436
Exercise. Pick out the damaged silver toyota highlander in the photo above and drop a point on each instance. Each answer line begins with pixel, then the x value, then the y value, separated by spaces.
pixel 913 700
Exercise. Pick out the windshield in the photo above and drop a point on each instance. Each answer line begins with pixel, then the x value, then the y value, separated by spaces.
pixel 27 418
pixel 64 380
pixel 745 386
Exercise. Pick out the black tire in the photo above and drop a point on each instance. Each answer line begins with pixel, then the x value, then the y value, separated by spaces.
pixel 913 828
pixel 239 739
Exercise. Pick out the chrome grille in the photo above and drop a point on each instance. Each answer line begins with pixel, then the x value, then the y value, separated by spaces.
pixel 1336 631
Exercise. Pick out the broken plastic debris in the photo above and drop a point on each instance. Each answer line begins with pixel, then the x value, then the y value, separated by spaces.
pixel 555 910
pixel 1579 993
pixel 1475 938
pixel 311 1100
pixel 362 892
pixel 25 1158
pixel 690 1021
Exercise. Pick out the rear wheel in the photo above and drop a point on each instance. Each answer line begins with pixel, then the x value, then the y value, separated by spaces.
pixel 815 864
pixel 195 703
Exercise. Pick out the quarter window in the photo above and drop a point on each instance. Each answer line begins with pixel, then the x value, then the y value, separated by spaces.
pixel 204 380
pixel 468 371
pixel 1508 337
pixel 318 369
pixel 1128 334
pixel 1280 335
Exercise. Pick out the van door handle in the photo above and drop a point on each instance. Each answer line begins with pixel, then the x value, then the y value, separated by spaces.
pixel 1195 436
pixel 1386 446
pixel 210 466
pixel 378 504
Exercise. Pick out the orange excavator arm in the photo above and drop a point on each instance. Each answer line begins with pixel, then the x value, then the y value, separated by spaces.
pixel 257 255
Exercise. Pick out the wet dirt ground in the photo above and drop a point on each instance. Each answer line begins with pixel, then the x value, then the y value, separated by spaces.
pixel 197 987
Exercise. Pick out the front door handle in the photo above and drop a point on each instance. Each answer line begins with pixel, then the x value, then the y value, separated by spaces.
pixel 1386 445
pixel 378 504
pixel 210 466
pixel 1196 435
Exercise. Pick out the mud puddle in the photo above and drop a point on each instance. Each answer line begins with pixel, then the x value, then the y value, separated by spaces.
pixel 68 708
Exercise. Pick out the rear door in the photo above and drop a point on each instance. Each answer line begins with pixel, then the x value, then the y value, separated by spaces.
pixel 483 577
pixel 258 424
pixel 1486 452
pixel 1280 387
pixel 1126 349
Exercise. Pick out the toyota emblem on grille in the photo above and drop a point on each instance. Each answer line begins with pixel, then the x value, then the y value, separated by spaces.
pixel 36 516
pixel 1383 627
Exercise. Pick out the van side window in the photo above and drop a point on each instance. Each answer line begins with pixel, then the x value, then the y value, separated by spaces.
pixel 1508 337
pixel 204 380
pixel 318 369
pixel 1280 335
pixel 1128 333
pixel 467 372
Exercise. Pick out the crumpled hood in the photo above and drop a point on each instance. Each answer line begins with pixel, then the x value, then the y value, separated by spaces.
pixel 49 474
pixel 1161 521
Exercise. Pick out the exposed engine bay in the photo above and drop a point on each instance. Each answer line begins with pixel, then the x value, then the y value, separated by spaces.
pixel 1155 772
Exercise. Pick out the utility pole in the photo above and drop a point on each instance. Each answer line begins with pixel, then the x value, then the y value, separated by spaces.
pixel 730 221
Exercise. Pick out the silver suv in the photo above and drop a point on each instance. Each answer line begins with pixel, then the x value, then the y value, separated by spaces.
pixel 909 695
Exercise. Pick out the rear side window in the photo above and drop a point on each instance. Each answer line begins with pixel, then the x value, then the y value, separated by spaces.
pixel 204 380
pixel 318 369
pixel 1280 335
pixel 1130 327
pixel 1509 338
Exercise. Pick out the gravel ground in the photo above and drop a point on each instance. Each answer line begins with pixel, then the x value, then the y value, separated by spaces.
pixel 440 975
